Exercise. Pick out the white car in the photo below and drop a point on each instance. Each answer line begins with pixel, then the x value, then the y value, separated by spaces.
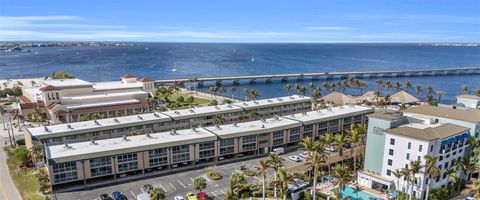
pixel 305 154
pixel 294 158
pixel 331 149
pixel 179 198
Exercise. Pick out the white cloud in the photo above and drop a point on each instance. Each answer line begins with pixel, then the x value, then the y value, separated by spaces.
pixel 328 28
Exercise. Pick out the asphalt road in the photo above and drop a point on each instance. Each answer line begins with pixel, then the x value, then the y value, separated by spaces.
pixel 174 184
pixel 7 187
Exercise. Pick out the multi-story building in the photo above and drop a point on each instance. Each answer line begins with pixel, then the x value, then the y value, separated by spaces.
pixel 469 101
pixel 67 100
pixel 165 121
pixel 395 140
pixel 166 152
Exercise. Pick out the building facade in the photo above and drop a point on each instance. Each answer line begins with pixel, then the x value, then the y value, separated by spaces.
pixel 167 152
pixel 395 140
pixel 67 100
pixel 165 121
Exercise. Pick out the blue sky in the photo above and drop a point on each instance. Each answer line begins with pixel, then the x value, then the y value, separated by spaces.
pixel 241 20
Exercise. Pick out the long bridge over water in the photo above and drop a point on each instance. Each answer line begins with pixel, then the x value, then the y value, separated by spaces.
pixel 331 75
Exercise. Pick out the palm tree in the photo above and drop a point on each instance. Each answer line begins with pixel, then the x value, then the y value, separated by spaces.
pixel 418 89
pixel 275 162
pixel 362 85
pixel 407 85
pixel 222 90
pixel 263 168
pixel 354 138
pixel 439 95
pixel 219 120
pixel 233 90
pixel 415 168
pixel 311 85
pixel 254 94
pixel 453 176
pixel 2 113
pixel 397 86
pixel 477 92
pixel 315 159
pixel 340 141
pixel 303 90
pixel 284 179
pixel 254 115
pixel 431 172
pixel 326 86
pixel 464 89
pixel 398 174
pixel 288 88
pixel 237 184
pixel 157 193
pixel 379 83
pixel 342 176
pixel 406 173
pixel 328 139
pixel 213 91
pixel 246 93
pixel 199 183
pixel 388 85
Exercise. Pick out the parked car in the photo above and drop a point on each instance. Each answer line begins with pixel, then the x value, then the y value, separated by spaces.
pixel 146 188
pixel 118 196
pixel 331 149
pixel 294 158
pixel 179 198
pixel 105 197
pixel 191 196
pixel 278 151
pixel 305 154
pixel 202 195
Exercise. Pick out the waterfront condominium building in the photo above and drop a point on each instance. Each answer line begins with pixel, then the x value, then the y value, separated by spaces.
pixel 67 100
pixel 165 121
pixel 469 101
pixel 395 139
pixel 166 152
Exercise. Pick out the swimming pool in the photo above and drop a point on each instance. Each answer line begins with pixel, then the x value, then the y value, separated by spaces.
pixel 349 191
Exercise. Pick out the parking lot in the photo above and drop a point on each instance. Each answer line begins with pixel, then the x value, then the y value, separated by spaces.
pixel 175 184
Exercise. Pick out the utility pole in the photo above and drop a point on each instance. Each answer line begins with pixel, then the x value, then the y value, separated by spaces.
pixel 11 127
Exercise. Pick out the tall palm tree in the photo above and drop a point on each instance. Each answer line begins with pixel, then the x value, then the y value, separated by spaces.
pixel 275 161
pixel 303 90
pixel 328 139
pixel 219 120
pixel 354 139
pixel 388 85
pixel 453 176
pixel 431 172
pixel 418 89
pixel 213 91
pixel 222 90
pixel 326 86
pixel 157 193
pixel 397 86
pixel 342 176
pixel 340 141
pixel 362 85
pixel 474 188
pixel 430 90
pixel 440 95
pixel 477 92
pixel 406 173
pixel 398 174
pixel 315 159
pixel 233 90
pixel 246 93
pixel 2 113
pixel 415 168
pixel 407 85
pixel 254 94
pixel 379 83
pixel 284 178
pixel 263 167
pixel 464 89
pixel 288 88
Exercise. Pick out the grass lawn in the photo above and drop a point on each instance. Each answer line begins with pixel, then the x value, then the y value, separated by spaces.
pixel 197 101
pixel 25 181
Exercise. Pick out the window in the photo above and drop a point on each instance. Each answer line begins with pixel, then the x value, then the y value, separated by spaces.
pixel 408 156
pixel 157 157
pixel 389 162
pixel 64 172
pixel 206 145
pixel 409 146
pixel 389 172
pixel 227 150
pixel 420 147
pixel 431 148
pixel 127 157
pixel 249 139
pixel 123 167
pixel 392 141
pixel 249 147
pixel 390 152
pixel 227 142
pixel 419 158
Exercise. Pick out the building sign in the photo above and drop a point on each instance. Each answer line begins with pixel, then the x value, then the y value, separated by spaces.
pixel 377 131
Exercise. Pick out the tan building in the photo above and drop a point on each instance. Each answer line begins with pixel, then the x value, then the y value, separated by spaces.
pixel 165 121
pixel 67 100
pixel 166 152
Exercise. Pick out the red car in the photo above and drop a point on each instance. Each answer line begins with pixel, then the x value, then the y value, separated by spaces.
pixel 202 196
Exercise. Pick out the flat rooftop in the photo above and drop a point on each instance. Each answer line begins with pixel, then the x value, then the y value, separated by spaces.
pixel 98 95
pixel 273 101
pixel 115 85
pixel 101 104
pixel 428 132
pixel 66 83
pixel 390 116
pixel 72 128
pixel 115 146
pixel 202 111
pixel 326 114
pixel 470 115
pixel 258 127
pixel 33 93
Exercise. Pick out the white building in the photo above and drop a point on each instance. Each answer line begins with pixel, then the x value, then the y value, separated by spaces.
pixel 66 100
pixel 404 140
pixel 469 101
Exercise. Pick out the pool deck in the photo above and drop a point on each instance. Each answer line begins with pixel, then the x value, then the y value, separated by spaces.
pixel 327 190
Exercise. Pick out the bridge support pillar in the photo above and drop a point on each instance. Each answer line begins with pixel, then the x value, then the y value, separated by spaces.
pixel 252 81
pixel 315 78
pixel 235 82
pixel 218 83
pixel 268 80
pixel 329 77
pixel 200 84
pixel 284 80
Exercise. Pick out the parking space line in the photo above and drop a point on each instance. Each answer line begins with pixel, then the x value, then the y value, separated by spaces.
pixel 181 183
pixel 172 186
pixel 214 194
pixel 222 191
pixel 191 179
pixel 163 187
pixel 207 178
pixel 134 196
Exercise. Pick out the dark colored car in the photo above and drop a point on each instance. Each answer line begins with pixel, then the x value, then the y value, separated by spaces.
pixel 202 196
pixel 118 196
pixel 105 197
pixel 146 188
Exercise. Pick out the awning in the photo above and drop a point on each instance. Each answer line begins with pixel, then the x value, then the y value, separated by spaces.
pixel 446 142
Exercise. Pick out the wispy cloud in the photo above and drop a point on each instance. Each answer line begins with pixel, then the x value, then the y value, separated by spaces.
pixel 38 22
pixel 328 28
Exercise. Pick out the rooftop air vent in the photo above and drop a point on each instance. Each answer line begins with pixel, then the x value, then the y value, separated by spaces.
pixel 147 135
pixel 191 110
pixel 92 141
pixel 263 120
pixel 235 124
pixel 263 125
pixel 304 113
pixel 156 115
pixel 173 132
pixel 69 126
pixel 291 97
pixel 279 99
pixel 216 107
pixel 176 112
pixel 276 117
pixel 46 129
pixel 66 146
pixel 230 106
pixel 256 102
pixel 341 107
pixel 270 101
pixel 245 104
pixel 292 115
pixel 96 123
pixel 124 138
pixel 140 117
pixel 194 129
pixel 116 120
